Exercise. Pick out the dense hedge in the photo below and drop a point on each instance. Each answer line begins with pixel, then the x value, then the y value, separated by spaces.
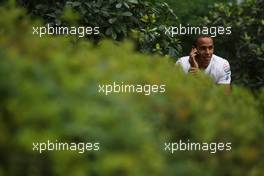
pixel 140 20
pixel 144 22
pixel 189 11
pixel 48 90
pixel 244 48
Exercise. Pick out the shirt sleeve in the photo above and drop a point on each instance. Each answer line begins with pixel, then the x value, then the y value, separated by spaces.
pixel 183 64
pixel 178 62
pixel 225 74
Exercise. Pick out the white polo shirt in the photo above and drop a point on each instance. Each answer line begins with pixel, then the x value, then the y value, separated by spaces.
pixel 218 69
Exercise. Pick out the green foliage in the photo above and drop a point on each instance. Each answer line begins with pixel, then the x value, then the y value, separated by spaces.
pixel 244 47
pixel 118 19
pixel 49 90
pixel 189 11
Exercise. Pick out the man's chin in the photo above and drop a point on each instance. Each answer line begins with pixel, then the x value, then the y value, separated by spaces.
pixel 208 58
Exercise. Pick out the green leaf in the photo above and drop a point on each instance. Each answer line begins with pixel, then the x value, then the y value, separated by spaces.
pixel 76 3
pixel 114 36
pixel 127 14
pixel 127 6
pixel 112 20
pixel 51 15
pixel 119 5
pixel 133 1
pixel 109 31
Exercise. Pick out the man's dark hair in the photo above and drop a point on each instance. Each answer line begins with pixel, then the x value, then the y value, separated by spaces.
pixel 198 37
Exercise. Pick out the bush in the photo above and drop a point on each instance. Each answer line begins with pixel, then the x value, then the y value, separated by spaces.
pixel 142 21
pixel 189 11
pixel 244 47
pixel 49 90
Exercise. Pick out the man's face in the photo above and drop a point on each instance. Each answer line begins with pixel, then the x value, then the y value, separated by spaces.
pixel 205 48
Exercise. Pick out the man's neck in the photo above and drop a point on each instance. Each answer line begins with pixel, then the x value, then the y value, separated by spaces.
pixel 203 65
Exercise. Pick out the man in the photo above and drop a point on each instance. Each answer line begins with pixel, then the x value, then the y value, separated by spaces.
pixel 202 58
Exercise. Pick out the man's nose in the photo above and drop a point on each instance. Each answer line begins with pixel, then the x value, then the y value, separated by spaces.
pixel 207 51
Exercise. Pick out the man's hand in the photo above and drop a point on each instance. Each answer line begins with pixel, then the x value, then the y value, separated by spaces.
pixel 193 70
pixel 192 59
